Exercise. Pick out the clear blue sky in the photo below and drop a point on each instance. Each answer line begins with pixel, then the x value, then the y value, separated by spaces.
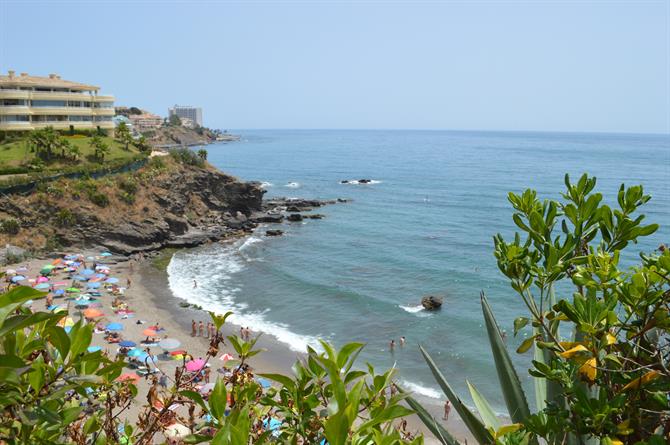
pixel 516 65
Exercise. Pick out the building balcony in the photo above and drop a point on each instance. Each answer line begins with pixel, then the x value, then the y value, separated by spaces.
pixel 14 109
pixel 61 111
pixel 16 125
pixel 14 94
pixel 54 95
pixel 104 111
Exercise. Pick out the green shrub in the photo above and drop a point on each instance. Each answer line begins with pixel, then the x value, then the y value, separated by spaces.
pixel 128 184
pixel 10 226
pixel 186 156
pixel 55 191
pixel 126 197
pixel 65 218
pixel 98 198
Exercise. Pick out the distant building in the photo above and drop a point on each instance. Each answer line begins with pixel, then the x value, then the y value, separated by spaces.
pixel 32 102
pixel 146 121
pixel 182 111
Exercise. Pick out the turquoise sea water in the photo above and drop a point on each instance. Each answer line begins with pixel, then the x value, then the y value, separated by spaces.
pixel 425 227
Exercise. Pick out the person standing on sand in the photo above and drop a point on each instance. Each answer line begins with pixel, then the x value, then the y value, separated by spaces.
pixel 201 329
pixel 447 410
pixel 128 282
pixel 194 328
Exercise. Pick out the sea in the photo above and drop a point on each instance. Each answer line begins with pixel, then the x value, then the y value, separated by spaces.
pixel 424 225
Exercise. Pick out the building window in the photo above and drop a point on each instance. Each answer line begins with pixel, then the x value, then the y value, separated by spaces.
pixel 49 103
pixel 14 118
pixel 13 103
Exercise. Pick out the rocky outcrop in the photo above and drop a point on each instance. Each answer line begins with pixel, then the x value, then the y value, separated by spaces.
pixel 431 302
pixel 274 233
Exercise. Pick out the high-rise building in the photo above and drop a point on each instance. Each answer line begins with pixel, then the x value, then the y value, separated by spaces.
pixel 193 113
pixel 32 102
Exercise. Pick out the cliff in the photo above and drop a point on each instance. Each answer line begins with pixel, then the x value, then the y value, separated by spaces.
pixel 168 202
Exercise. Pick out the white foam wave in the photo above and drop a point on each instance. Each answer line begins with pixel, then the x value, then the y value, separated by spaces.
pixel 412 309
pixel 419 389
pixel 358 182
pixel 292 185
pixel 213 268
pixel 250 242
pixel 266 184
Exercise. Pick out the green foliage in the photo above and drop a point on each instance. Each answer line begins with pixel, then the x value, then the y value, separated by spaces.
pixel 202 154
pixel 124 135
pixel 10 226
pixel 608 382
pixel 174 121
pixel 186 156
pixel 101 149
pixel 65 218
pixel 142 145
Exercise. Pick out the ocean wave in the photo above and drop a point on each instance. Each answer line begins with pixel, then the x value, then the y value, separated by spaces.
pixel 249 242
pixel 212 270
pixel 292 185
pixel 419 389
pixel 411 309
pixel 360 182
pixel 266 184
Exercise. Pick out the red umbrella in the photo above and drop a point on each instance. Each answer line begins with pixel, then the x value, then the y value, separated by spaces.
pixel 92 313
pixel 149 332
pixel 178 352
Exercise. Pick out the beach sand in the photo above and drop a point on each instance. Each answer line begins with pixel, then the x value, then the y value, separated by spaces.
pixel 150 297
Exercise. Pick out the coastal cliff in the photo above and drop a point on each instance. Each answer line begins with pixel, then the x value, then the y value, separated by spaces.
pixel 169 202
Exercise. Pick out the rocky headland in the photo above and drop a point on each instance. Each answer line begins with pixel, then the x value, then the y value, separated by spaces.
pixel 164 204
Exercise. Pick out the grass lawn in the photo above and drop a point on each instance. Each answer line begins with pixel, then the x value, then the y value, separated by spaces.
pixel 16 153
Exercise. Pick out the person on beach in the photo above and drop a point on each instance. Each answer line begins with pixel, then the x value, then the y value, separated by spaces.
pixel 242 332
pixel 402 341
pixel 195 284
pixel 163 381
pixel 392 345
pixel 447 410
pixel 201 329
pixel 209 329
pixel 194 328
pixel 128 282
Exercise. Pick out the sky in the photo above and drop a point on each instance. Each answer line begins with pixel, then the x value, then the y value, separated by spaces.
pixel 601 66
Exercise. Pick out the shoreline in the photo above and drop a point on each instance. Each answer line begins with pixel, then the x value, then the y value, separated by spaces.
pixel 277 357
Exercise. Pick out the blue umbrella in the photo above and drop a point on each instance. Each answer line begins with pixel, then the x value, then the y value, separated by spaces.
pixel 114 327
pixel 79 278
pixel 93 285
pixel 43 286
pixel 135 352
pixel 87 272
pixel 59 292
pixel 93 348
pixel 52 307
pixel 105 254
pixel 264 382
pixel 67 329
pixel 127 344
pixel 100 275
pixel 112 280
pixel 18 278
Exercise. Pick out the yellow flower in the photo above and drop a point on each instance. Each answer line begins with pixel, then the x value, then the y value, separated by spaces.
pixel 588 369
pixel 610 339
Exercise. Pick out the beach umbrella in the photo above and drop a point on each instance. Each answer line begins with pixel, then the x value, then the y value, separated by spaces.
pixel 52 307
pixel 60 283
pixel 93 348
pixel 18 278
pixel 127 344
pixel 195 365
pixel 93 313
pixel 88 272
pixel 67 329
pixel 95 304
pixel 73 290
pixel 136 352
pixel 265 383
pixel 114 327
pixel 225 357
pixel 100 275
pixel 112 280
pixel 79 278
pixel 46 269
pixel 43 286
pixel 129 376
pixel 92 285
pixel 272 425
pixel 81 306
pixel 106 254
pixel 169 343
pixel 176 430
pixel 178 352
pixel 67 321
pixel 42 280
pixel 149 332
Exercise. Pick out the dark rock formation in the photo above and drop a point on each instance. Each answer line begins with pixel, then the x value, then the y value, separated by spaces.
pixel 431 302
pixel 314 216
pixel 274 233
pixel 295 217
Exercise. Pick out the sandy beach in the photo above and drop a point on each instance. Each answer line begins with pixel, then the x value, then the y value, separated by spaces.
pixel 149 297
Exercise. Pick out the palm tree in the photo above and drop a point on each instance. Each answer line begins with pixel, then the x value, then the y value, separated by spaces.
pixel 73 151
pixel 123 135
pixel 45 142
pixel 100 147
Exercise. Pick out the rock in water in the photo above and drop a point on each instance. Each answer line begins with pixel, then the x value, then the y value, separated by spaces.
pixel 295 217
pixel 274 233
pixel 431 302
